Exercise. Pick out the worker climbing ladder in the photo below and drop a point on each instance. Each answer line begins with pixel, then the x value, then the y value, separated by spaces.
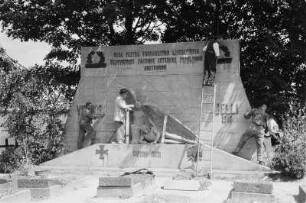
pixel 206 129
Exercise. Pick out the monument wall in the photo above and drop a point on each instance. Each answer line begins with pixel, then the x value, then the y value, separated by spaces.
pixel 168 76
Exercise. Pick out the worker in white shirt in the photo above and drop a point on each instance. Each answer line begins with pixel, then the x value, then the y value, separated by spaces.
pixel 211 52
pixel 273 131
pixel 120 113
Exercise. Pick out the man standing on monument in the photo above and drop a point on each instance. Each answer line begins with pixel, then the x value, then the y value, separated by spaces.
pixel 256 129
pixel 120 113
pixel 87 134
pixel 211 52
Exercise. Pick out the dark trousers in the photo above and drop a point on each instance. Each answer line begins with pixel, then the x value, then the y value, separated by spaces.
pixel 87 135
pixel 210 64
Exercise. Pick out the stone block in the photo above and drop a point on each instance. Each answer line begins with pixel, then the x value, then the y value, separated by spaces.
pixel 118 181
pixel 18 196
pixel 45 193
pixel 130 185
pixel 253 187
pixel 302 194
pixel 4 184
pixel 249 197
pixel 122 192
pixel 33 183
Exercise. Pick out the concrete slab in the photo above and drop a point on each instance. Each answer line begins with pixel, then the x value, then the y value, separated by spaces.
pixel 124 186
pixel 118 181
pixel 23 195
pixel 46 193
pixel 120 192
pixel 33 183
pixel 165 156
pixel 252 197
pixel 253 187
pixel 4 184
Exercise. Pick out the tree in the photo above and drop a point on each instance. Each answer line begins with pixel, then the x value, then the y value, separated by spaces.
pixel 69 24
pixel 272 36
pixel 290 157
pixel 33 102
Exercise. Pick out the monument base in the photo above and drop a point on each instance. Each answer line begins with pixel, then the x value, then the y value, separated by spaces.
pixel 162 156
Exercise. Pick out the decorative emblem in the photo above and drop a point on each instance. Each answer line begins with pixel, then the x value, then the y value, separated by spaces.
pixel 102 152
pixel 101 63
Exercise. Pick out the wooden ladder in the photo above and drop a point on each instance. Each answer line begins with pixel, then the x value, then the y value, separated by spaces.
pixel 206 129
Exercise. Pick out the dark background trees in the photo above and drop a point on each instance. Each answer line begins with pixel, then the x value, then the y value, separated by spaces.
pixel 271 33
pixel 272 37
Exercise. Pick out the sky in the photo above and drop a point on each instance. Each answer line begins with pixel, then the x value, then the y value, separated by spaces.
pixel 26 53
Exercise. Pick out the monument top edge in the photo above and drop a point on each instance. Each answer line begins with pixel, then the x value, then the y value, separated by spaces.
pixel 158 44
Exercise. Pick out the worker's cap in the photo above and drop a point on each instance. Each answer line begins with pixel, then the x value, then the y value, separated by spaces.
pixel 88 104
pixel 124 90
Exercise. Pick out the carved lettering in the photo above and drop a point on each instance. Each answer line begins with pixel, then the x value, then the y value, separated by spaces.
pixel 155 68
pixel 147 154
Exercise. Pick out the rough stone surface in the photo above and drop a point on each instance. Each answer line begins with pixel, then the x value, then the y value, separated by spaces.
pixel 252 196
pixel 302 194
pixel 253 187
pixel 119 181
pixel 120 192
pixel 139 183
pixel 19 196
pixel 4 184
pixel 33 183
pixel 45 193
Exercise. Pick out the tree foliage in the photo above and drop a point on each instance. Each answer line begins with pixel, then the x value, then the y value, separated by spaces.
pixel 69 24
pixel 33 102
pixel 272 34
pixel 291 152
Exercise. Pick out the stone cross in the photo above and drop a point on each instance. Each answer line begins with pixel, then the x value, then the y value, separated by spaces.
pixel 101 151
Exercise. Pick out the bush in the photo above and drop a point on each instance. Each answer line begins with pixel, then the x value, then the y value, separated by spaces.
pixel 290 157
pixel 33 102
pixel 10 160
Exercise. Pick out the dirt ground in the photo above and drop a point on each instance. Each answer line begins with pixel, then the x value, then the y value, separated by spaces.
pixel 81 187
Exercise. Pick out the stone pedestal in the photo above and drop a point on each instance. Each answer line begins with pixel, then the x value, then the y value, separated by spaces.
pixel 250 191
pixel 40 188
pixel 253 187
pixel 124 186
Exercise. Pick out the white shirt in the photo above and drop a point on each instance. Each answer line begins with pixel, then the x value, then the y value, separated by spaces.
pixel 120 106
pixel 272 126
pixel 215 47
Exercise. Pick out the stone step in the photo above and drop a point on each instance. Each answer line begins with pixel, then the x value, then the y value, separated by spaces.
pixel 253 187
pixel 124 186
pixel 252 197
pixel 33 183
pixel 46 193
pixel 241 175
pixel 118 181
